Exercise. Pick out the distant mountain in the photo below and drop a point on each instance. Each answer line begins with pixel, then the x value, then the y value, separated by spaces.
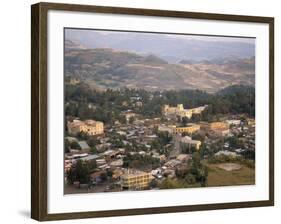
pixel 167 47
pixel 110 68
pixel 70 45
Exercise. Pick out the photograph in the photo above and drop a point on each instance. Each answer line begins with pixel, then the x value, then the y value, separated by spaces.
pixel 157 111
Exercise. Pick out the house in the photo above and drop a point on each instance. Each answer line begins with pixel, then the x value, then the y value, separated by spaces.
pixel 164 128
pixel 84 146
pixel 226 153
pixel 96 177
pixel 117 173
pixel 90 157
pixel 172 163
pixel 71 139
pixel 186 140
pixel 251 122
pixel 233 122
pixel 116 163
pixel 184 157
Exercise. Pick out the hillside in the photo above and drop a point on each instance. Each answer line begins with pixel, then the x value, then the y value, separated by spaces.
pixel 109 68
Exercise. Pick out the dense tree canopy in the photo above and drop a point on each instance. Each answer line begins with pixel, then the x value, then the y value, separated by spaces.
pixel 106 106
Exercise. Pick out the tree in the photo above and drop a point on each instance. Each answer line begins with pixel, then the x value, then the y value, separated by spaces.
pixel 92 141
pixel 79 172
pixel 92 164
pixel 75 145
pixel 66 146
pixel 190 179
pixel 199 170
pixel 153 183
pixel 93 150
pixel 131 120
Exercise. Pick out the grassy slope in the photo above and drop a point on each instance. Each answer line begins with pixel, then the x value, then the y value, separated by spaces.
pixel 220 177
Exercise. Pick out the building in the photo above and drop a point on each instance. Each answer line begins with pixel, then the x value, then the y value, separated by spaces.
pixel 189 129
pixel 186 140
pixel 164 128
pixel 233 122
pixel 180 111
pixel 226 153
pixel 135 180
pixel 251 122
pixel 198 110
pixel 219 125
pixel 184 157
pixel 177 111
pixel 173 129
pixel 89 127
pixel 84 146
pixel 218 128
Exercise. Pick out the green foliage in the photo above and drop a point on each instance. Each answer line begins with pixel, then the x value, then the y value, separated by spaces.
pixel 169 183
pixel 235 142
pixel 108 104
pixel 198 169
pixel 93 150
pixel 66 146
pixel 79 172
pixel 140 161
pixel 194 172
pixel 153 183
pixel 232 159
pixel 190 178
pixel 159 143
pixel 75 145
pixel 92 165
pixel 92 141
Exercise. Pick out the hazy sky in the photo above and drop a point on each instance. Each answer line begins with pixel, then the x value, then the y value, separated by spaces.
pixel 170 47
pixel 70 32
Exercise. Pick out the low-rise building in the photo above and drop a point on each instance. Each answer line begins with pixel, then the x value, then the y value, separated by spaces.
pixel 233 122
pixel 218 128
pixel 184 157
pixel 186 140
pixel 84 146
pixel 189 129
pixel 164 128
pixel 251 121
pixel 135 180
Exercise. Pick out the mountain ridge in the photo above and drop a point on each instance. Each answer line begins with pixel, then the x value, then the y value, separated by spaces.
pixel 110 68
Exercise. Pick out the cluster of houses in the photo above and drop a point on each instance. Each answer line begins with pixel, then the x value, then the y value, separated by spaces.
pixel 141 132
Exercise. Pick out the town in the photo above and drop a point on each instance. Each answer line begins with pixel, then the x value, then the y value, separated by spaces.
pixel 175 148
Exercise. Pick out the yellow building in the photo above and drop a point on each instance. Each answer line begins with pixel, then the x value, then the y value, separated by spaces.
pixel 251 121
pixel 135 180
pixel 190 129
pixel 180 111
pixel 89 127
pixel 219 126
pixel 177 111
